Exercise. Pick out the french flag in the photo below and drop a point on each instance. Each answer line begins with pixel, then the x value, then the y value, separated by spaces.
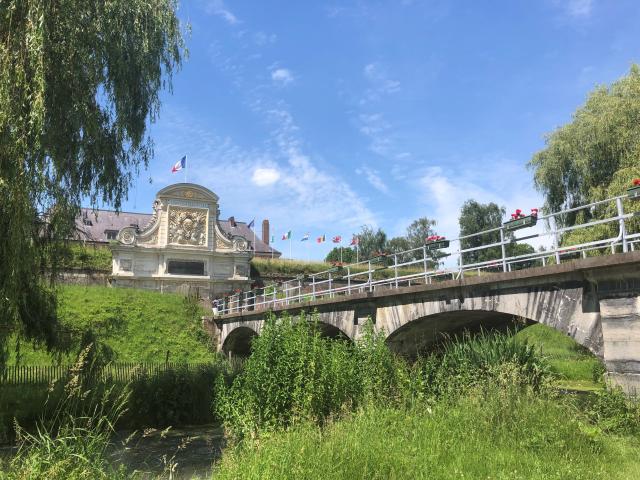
pixel 180 165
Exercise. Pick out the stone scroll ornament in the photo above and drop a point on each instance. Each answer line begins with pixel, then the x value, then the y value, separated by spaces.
pixel 187 227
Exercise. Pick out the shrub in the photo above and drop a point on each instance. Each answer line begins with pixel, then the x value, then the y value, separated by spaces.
pixel 614 412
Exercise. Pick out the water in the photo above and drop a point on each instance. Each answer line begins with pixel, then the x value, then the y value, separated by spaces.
pixel 188 451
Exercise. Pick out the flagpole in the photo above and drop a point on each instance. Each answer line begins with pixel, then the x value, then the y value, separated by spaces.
pixel 290 257
pixel 185 169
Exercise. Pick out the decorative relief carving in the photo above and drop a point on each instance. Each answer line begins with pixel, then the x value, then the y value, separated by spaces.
pixel 240 244
pixel 157 208
pixel 220 243
pixel 188 194
pixel 127 235
pixel 187 226
pixel 150 240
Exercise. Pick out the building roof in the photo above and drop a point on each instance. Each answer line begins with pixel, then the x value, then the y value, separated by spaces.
pixel 93 225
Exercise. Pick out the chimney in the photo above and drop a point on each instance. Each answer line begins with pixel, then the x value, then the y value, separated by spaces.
pixel 265 232
pixel 232 222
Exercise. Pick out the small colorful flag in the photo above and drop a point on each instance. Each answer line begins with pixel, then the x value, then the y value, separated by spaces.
pixel 305 238
pixel 355 240
pixel 286 236
pixel 336 239
pixel 320 239
pixel 273 238
pixel 251 223
pixel 180 165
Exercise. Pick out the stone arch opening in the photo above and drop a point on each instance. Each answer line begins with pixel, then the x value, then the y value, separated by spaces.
pixel 238 342
pixel 331 331
pixel 418 336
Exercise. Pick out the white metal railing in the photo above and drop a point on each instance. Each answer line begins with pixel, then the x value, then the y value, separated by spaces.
pixel 419 269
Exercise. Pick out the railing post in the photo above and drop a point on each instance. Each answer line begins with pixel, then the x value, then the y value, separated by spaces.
pixel 349 280
pixel 395 268
pixel 286 293
pixel 370 276
pixel 275 295
pixel 313 287
pixel 623 229
pixel 299 290
pixel 504 250
pixel 424 263
pixel 556 240
pixel 330 287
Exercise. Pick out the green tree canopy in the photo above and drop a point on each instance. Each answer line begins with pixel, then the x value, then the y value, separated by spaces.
pixel 348 255
pixel 476 217
pixel 79 80
pixel 596 155
pixel 371 242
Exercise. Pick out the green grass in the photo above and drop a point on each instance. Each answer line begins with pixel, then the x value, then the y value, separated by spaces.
pixel 573 363
pixel 133 325
pixel 495 436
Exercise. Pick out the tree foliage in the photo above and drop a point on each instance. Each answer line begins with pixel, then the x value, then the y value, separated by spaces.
pixel 79 81
pixel 371 242
pixel 596 155
pixel 476 217
pixel 348 255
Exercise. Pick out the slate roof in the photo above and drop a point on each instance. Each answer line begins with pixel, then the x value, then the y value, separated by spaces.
pixel 93 225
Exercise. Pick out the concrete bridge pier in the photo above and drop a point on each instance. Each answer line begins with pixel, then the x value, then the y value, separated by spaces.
pixel 621 333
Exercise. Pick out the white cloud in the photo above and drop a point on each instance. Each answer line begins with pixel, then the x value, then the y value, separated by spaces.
pixel 442 193
pixel 217 7
pixel 309 196
pixel 262 38
pixel 264 177
pixel 380 83
pixel 377 129
pixel 282 76
pixel 579 8
pixel 373 177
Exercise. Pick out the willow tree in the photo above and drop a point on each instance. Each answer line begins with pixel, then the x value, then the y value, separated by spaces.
pixel 79 82
pixel 595 156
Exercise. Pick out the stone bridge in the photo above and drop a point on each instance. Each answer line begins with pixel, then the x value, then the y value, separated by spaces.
pixel 596 301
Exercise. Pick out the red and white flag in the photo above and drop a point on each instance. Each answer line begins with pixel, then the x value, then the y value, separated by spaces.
pixel 336 239
pixel 355 240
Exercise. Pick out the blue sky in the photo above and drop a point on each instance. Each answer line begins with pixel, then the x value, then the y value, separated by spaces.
pixel 325 116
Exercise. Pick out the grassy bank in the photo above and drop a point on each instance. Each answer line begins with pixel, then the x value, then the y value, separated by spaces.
pixel 130 325
pixel 495 434
pixel 574 366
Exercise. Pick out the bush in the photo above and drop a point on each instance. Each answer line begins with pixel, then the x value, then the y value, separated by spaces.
pixel 614 412
pixel 294 373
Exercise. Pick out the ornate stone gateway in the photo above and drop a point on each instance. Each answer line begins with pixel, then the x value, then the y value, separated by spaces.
pixel 182 247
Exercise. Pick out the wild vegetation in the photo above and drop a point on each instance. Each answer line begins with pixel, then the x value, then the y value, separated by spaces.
pixel 307 406
pixel 485 397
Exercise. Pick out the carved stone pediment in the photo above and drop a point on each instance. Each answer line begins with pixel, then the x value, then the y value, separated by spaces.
pixel 187 226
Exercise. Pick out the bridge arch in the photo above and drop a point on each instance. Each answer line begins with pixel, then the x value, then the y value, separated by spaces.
pixel 409 324
pixel 237 343
pixel 414 337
